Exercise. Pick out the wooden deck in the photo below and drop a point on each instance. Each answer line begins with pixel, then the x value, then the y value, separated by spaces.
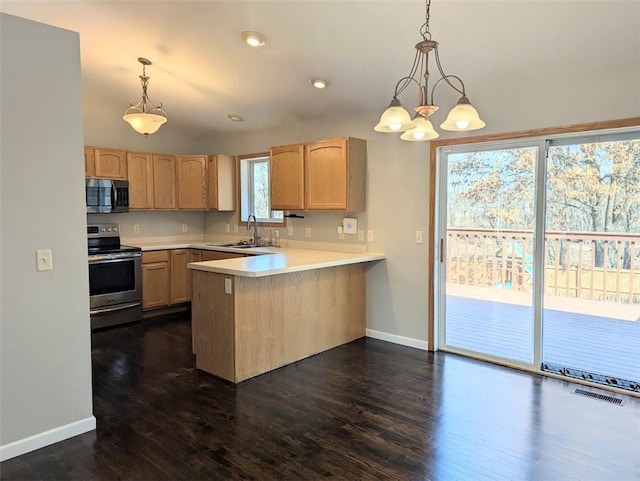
pixel 599 337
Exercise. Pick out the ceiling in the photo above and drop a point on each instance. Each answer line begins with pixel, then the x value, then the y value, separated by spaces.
pixel 203 71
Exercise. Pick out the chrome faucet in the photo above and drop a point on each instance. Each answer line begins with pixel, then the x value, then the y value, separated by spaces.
pixel 256 237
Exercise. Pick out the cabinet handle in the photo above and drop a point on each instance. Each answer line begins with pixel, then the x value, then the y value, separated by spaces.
pixel 441 250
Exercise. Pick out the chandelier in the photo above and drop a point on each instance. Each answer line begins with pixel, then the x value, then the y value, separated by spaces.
pixel 145 117
pixel 463 116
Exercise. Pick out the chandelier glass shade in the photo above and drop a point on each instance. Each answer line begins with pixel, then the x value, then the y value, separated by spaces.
pixel 145 117
pixel 462 117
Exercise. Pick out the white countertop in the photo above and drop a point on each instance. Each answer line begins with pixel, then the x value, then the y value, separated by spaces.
pixel 282 261
pixel 264 261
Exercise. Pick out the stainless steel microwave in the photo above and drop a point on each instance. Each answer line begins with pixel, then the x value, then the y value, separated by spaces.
pixel 105 196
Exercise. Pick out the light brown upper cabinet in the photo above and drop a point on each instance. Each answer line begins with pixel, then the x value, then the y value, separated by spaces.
pixel 140 174
pixel 334 174
pixel 192 181
pixel 221 182
pixel 164 181
pixel 89 162
pixel 105 163
pixel 286 177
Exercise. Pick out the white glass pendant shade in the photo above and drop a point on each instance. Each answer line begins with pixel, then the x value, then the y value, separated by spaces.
pixel 423 131
pixel 145 123
pixel 394 119
pixel 463 117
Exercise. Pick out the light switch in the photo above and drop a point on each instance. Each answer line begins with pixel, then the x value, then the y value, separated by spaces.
pixel 418 237
pixel 44 260
pixel 227 286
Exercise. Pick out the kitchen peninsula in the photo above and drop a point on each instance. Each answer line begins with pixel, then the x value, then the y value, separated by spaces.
pixel 253 314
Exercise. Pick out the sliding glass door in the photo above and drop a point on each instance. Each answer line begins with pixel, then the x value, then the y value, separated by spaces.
pixel 488 250
pixel 540 255
pixel 592 260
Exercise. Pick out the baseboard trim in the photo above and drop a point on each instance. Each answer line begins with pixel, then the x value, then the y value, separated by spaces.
pixel 405 341
pixel 37 441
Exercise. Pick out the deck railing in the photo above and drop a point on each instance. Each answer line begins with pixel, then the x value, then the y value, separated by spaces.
pixel 599 266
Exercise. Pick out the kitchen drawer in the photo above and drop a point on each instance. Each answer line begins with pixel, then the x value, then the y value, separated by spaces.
pixel 155 256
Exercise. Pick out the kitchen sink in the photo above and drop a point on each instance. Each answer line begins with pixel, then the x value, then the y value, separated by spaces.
pixel 235 245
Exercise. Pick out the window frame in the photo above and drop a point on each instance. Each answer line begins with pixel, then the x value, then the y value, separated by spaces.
pixel 244 198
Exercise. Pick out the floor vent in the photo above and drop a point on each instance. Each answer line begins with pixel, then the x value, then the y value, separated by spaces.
pixel 601 397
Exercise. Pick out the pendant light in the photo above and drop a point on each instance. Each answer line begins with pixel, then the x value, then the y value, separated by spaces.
pixel 395 118
pixel 145 117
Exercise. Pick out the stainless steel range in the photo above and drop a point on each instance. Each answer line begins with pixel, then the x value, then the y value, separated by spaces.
pixel 115 277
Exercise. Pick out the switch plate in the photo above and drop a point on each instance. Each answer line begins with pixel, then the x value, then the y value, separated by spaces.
pixel 418 237
pixel 369 236
pixel 227 228
pixel 44 260
pixel 185 227
pixel 307 232
pixel 360 235
pixel 290 231
pixel 136 228
pixel 227 286
pixel 235 228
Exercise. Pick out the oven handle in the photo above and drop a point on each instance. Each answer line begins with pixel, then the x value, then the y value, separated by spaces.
pixel 103 259
pixel 119 307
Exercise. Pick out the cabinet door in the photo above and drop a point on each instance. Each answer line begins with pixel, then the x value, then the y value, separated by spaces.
pixel 286 177
pixel 89 162
pixel 110 164
pixel 326 175
pixel 164 181
pixel 219 255
pixel 140 174
pixel 195 255
pixel 222 182
pixel 155 285
pixel 179 276
pixel 192 181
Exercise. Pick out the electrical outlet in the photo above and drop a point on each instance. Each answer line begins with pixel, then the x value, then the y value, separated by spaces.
pixel 290 231
pixel 360 235
pixel 227 228
pixel 136 228
pixel 369 236
pixel 418 237
pixel 307 232
pixel 185 227
pixel 44 260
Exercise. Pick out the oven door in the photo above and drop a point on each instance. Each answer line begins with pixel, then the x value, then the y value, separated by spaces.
pixel 115 279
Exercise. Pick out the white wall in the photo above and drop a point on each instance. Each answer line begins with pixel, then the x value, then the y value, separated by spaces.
pixel 397 177
pixel 45 358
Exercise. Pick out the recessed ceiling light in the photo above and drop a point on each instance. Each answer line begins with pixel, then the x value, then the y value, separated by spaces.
pixel 235 118
pixel 253 39
pixel 319 83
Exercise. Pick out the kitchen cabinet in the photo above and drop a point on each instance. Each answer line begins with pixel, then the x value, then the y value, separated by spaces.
pixel 164 181
pixel 323 175
pixel 334 174
pixel 192 181
pixel 179 275
pixel 221 182
pixel 89 162
pixel 104 163
pixel 155 279
pixel 140 175
pixel 286 177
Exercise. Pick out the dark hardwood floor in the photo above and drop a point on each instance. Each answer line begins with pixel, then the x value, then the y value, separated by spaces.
pixel 365 411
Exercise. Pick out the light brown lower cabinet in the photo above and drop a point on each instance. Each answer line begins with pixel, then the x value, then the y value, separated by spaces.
pixel 166 279
pixel 155 279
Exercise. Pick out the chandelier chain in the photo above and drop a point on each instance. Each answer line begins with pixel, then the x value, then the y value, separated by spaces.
pixel 424 30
